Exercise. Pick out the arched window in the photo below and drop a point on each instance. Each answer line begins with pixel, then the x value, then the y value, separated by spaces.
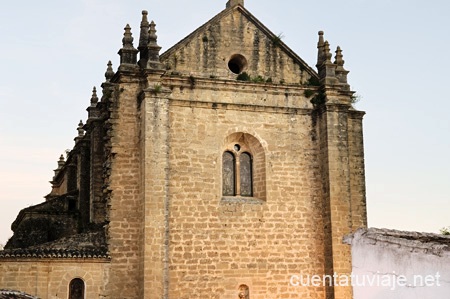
pixel 243 168
pixel 246 179
pixel 237 173
pixel 76 289
pixel 229 174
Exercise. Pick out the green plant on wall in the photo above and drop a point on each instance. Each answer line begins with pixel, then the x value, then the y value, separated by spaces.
pixel 258 79
pixel 243 77
pixel 157 88
pixel 445 231
pixel 247 78
pixel 192 81
pixel 319 99
pixel 276 40
pixel 355 98
pixel 308 93
pixel 313 81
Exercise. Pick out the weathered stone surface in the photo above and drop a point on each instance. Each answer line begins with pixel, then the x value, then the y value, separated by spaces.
pixel 148 167
pixel 45 222
pixel 9 294
pixel 50 278
pixel 236 38
pixel 400 264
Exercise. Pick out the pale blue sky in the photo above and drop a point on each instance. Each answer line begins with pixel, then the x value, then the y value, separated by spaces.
pixel 53 52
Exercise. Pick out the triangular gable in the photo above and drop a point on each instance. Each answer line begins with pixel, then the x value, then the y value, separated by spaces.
pixel 232 42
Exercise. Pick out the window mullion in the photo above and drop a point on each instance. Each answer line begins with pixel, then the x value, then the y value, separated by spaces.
pixel 238 176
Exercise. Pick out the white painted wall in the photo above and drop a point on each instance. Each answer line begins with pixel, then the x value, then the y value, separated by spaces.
pixel 384 258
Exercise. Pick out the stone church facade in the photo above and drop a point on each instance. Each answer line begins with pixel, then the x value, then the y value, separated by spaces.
pixel 217 169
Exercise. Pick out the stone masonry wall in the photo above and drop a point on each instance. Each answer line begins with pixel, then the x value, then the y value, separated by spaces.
pixel 171 233
pixel 155 180
pixel 357 173
pixel 125 210
pixel 217 245
pixel 341 158
pixel 49 279
pixel 98 206
pixel 208 52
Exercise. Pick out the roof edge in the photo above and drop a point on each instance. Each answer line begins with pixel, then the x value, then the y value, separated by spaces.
pixel 281 44
pixel 420 242
pixel 256 22
pixel 193 33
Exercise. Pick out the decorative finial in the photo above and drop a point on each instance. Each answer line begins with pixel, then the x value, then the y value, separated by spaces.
pixel 109 72
pixel 341 72
pixel 153 48
pixel 338 58
pixel 94 98
pixel 324 65
pixel 80 132
pixel 320 50
pixel 152 34
pixel 321 41
pixel 233 3
pixel 128 54
pixel 61 162
pixel 327 52
pixel 127 40
pixel 143 39
pixel 80 129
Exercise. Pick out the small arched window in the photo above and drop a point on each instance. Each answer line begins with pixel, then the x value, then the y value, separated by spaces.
pixel 246 179
pixel 243 168
pixel 229 174
pixel 76 289
pixel 237 173
pixel 244 292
